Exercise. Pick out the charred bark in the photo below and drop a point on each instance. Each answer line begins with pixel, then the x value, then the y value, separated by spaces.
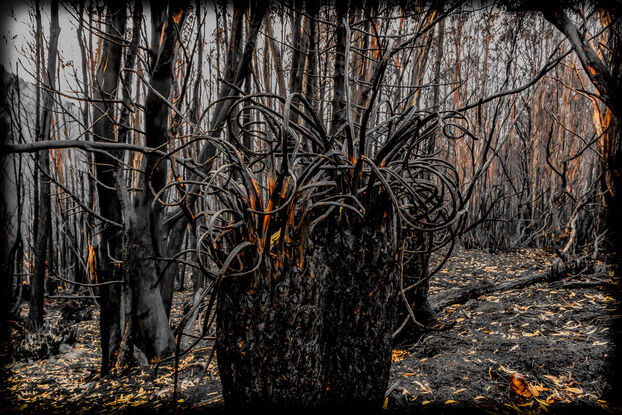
pixel 41 248
pixel 154 332
pixel 360 308
pixel 417 285
pixel 106 168
pixel 152 281
pixel 269 328
pixel 340 80
pixel 316 331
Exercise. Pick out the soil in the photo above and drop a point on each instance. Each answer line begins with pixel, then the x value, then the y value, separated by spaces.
pixel 544 348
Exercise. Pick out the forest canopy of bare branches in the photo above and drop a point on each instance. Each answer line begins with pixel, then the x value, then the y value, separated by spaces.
pixel 277 192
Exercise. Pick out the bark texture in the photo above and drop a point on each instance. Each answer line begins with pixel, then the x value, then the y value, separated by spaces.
pixel 41 248
pixel 315 332
pixel 415 273
pixel 105 90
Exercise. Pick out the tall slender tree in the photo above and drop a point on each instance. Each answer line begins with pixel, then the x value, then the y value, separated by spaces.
pixel 108 173
pixel 41 249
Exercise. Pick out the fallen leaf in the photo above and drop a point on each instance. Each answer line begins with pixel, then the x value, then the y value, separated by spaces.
pixel 519 385
pixel 397 355
pixel 574 390
pixel 450 401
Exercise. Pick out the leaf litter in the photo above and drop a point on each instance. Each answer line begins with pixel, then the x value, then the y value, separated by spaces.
pixel 537 349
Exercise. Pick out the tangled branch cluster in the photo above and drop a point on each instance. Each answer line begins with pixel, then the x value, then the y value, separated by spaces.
pixel 282 174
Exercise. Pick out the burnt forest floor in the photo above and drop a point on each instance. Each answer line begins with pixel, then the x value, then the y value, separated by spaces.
pixel 550 341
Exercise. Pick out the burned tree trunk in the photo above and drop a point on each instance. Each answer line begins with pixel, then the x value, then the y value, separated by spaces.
pixel 41 248
pixel 361 305
pixel 338 105
pixel 269 334
pixel 106 167
pixel 297 334
pixel 152 281
pixel 416 284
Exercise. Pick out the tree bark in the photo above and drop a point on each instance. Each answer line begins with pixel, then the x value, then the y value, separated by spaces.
pixel 109 249
pixel 338 104
pixel 127 317
pixel 35 315
pixel 315 332
pixel 152 282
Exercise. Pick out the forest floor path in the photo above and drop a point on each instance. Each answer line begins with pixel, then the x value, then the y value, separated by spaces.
pixel 544 347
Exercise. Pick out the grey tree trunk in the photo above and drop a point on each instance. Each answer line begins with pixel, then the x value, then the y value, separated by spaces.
pixel 340 75
pixel 127 316
pixel 109 249
pixel 152 282
pixel 41 248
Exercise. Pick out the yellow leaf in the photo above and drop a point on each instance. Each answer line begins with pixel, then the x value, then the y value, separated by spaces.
pixel 275 237
pixel 480 397
pixel 180 400
pixel 460 390
pixel 408 374
pixel 385 405
pixel 450 401
pixel 574 390
pixel 425 402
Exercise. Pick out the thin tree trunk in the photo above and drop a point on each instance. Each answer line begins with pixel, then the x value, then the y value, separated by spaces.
pixel 41 249
pixel 340 74
pixel 127 314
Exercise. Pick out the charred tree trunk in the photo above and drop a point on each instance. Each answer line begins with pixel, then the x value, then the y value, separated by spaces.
pixel 269 334
pixel 127 317
pixel 154 332
pixel 35 315
pixel 340 80
pixel 361 306
pixel 316 331
pixel 7 253
pixel 152 282
pixel 417 286
pixel 106 168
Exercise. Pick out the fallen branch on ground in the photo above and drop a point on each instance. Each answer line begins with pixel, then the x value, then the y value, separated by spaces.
pixel 559 270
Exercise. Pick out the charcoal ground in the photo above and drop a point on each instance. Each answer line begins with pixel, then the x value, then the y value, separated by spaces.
pixel 554 337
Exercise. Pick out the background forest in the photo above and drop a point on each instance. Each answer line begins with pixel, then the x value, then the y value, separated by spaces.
pixel 294 197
